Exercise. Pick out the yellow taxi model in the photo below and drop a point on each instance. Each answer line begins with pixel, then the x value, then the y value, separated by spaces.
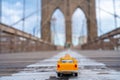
pixel 67 65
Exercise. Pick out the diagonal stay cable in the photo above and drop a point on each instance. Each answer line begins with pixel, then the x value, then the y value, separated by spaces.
pixel 109 12
pixel 24 18
pixel 102 10
pixel 90 4
pixel 35 12
pixel 106 12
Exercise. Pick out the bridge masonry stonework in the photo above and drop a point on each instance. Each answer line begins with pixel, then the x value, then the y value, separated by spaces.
pixel 68 7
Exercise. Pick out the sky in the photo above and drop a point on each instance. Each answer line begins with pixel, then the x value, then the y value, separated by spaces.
pixel 12 11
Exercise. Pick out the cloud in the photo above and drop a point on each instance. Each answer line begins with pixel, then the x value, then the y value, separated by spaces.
pixel 18 4
pixel 107 5
pixel 59 39
pixel 79 23
pixel 13 12
pixel 107 20
pixel 59 24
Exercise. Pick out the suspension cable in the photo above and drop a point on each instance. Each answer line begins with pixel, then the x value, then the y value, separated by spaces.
pixel 23 25
pixel 115 17
pixel 82 30
pixel 0 11
pixel 24 18
pixel 109 12
pixel 37 19
pixel 0 29
pixel 54 29
pixel 37 15
pixel 27 16
pixel 104 11
pixel 99 27
pixel 113 14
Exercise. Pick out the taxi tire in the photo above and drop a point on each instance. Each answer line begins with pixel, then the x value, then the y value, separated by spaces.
pixel 75 74
pixel 59 74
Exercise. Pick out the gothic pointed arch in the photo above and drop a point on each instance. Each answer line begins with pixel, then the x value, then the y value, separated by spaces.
pixel 79 24
pixel 68 7
pixel 58 27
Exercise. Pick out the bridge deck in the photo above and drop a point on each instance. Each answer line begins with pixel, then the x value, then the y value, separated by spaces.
pixel 13 63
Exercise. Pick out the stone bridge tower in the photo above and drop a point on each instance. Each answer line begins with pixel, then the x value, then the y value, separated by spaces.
pixel 68 7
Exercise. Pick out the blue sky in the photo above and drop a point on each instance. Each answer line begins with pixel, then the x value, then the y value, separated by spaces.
pixel 12 11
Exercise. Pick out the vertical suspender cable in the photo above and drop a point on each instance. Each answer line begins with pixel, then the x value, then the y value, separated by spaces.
pixel 40 13
pixel 55 30
pixel 23 25
pixel 37 16
pixel 56 33
pixel 83 29
pixel 53 27
pixel 0 22
pixel 99 4
pixel 57 36
pixel 35 27
pixel 0 11
pixel 115 16
pixel 23 19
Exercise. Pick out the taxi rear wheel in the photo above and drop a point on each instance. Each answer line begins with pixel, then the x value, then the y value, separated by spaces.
pixel 59 74
pixel 75 74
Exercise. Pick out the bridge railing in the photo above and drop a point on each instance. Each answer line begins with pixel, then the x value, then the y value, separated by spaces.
pixel 13 40
pixel 108 41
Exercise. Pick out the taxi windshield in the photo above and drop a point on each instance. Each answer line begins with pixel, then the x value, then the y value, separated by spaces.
pixel 67 61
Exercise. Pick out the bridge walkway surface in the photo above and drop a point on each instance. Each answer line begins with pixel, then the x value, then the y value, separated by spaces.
pixel 93 65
